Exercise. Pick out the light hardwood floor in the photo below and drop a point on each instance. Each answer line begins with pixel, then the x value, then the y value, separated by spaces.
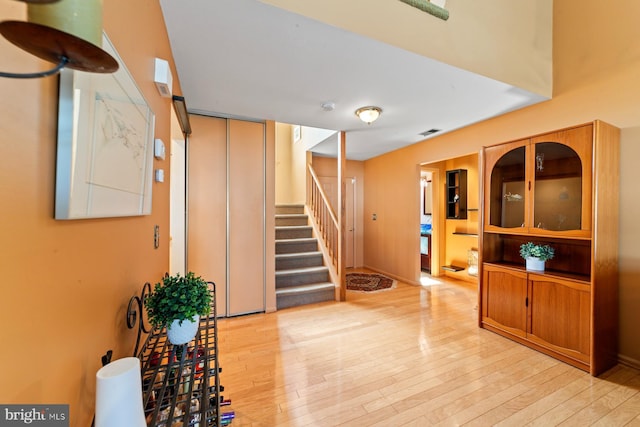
pixel 410 356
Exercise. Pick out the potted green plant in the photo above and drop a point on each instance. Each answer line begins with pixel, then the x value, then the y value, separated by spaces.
pixel 536 255
pixel 177 303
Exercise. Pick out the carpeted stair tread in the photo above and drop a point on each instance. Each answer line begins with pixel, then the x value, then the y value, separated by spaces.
pixel 303 270
pixel 288 209
pixel 294 232
pixel 294 228
pixel 301 276
pixel 299 254
pixel 298 240
pixel 305 288
pixel 305 244
pixel 293 260
pixel 292 215
pixel 283 220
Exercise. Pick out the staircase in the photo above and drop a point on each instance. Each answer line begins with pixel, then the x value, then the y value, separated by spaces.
pixel 301 276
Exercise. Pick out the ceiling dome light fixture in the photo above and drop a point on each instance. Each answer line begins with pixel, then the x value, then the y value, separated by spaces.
pixel 368 114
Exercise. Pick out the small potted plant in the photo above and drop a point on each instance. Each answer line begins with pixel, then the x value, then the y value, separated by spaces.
pixel 177 303
pixel 536 255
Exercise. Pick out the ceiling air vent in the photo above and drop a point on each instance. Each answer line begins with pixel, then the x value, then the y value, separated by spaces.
pixel 429 132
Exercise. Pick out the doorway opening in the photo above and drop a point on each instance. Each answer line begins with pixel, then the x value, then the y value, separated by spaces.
pixel 428 223
pixel 453 237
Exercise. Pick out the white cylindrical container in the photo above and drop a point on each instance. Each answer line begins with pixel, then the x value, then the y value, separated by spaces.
pixel 119 394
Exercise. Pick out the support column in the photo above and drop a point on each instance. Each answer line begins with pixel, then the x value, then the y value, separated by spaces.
pixel 342 214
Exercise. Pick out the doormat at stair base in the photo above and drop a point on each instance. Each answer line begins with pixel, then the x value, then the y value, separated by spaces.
pixel 366 282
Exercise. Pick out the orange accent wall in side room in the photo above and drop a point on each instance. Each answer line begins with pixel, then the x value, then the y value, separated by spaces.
pixel 459 232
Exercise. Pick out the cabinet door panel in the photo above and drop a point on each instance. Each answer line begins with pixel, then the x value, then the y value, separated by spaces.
pixel 505 187
pixel 560 315
pixel 561 164
pixel 558 188
pixel 504 299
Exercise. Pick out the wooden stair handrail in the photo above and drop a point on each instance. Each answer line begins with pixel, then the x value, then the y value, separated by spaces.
pixel 325 199
pixel 324 216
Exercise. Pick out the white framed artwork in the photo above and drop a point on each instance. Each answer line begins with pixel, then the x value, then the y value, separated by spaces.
pixel 104 165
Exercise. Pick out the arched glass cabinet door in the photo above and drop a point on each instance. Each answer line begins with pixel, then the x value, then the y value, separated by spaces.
pixel 507 188
pixel 557 193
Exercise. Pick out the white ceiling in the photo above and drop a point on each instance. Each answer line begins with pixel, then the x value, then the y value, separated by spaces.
pixel 246 59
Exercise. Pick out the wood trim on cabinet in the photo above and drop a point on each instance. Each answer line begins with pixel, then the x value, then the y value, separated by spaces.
pixel 604 268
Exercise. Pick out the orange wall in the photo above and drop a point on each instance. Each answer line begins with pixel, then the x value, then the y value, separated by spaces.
pixel 457 245
pixel 608 90
pixel 392 196
pixel 66 284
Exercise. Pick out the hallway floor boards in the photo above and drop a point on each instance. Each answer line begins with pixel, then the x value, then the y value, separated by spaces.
pixel 410 356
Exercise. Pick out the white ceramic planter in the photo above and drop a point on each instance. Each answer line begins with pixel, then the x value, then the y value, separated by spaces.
pixel 182 334
pixel 534 264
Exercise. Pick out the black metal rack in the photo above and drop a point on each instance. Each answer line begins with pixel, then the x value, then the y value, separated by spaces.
pixel 180 383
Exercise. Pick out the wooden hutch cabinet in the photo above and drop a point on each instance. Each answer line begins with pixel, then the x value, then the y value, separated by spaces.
pixel 560 189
